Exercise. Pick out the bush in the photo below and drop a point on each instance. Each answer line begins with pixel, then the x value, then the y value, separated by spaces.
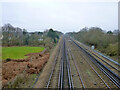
pixel 106 42
pixel 112 50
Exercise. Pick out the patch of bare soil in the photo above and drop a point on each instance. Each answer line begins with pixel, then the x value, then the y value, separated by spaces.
pixel 32 65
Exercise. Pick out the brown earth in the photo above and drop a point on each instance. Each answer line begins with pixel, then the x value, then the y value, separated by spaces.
pixel 32 65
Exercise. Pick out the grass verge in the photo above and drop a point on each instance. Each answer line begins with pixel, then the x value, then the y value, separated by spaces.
pixel 19 52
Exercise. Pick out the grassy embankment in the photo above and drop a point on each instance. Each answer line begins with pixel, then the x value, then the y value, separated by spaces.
pixel 19 52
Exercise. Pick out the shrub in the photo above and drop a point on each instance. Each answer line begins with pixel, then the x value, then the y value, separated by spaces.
pixel 112 49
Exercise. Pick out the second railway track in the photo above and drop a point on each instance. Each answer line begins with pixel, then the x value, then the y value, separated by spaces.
pixel 73 67
pixel 110 74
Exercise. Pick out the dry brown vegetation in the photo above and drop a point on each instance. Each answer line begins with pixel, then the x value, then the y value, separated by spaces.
pixel 32 65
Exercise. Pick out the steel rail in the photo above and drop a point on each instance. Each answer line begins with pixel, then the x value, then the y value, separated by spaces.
pixel 107 58
pixel 77 69
pixel 61 73
pixel 69 70
pixel 103 60
pixel 60 81
pixel 95 71
pixel 111 75
pixel 53 68
pixel 107 63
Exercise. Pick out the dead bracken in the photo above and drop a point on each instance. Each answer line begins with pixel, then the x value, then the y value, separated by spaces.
pixel 12 68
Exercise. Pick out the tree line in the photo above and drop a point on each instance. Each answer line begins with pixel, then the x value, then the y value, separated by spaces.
pixel 106 42
pixel 15 36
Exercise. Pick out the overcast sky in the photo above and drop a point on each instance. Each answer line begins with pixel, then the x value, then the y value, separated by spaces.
pixel 62 15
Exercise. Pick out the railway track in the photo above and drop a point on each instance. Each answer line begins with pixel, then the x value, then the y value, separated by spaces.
pixel 53 79
pixel 81 68
pixel 65 80
pixel 80 78
pixel 112 65
pixel 63 76
pixel 92 69
pixel 100 54
pixel 75 67
pixel 114 68
pixel 110 74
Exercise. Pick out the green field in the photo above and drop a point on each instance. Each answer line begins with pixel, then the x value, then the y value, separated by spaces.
pixel 19 52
